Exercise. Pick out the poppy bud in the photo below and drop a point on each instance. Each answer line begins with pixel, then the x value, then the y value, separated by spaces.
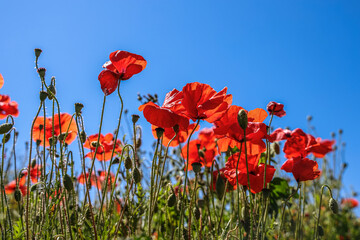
pixel 159 132
pixel 43 95
pixel 176 128
pixel 38 142
pixel 201 203
pixel 136 175
pixel 334 207
pixel 7 138
pixel 78 108
pixel 309 118
pixel 33 163
pixel 171 200
pixel 246 218
pixel 196 167
pixel 197 213
pixel 201 153
pixel 73 219
pixel 340 131
pixel 276 147
pixel 128 163
pixel 242 119
pixel 82 136
pixel 5 127
pixel 38 51
pixel 116 161
pixel 320 231
pixel 62 136
pixel 68 184
pixel 266 192
pixel 41 72
pixel 51 91
pixel 134 118
pixel 333 135
pixel 17 195
pixel 220 186
pixel 138 143
pixel 33 188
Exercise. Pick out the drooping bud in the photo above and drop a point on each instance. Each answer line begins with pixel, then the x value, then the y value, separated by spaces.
pixel 341 131
pixel 136 175
pixel 43 95
pixel 78 108
pixel 38 52
pixel 134 118
pixel 33 163
pixel 128 163
pixel 333 134
pixel 68 184
pixel 197 213
pixel 242 119
pixel 82 136
pixel 159 132
pixel 41 72
pixel 276 147
pixel 201 153
pixel 138 143
pixel 320 231
pixel 309 118
pixel 220 186
pixel 333 205
pixel 51 91
pixel 116 161
pixel 17 195
pixel 196 167
pixel 7 138
pixel 171 200
pixel 5 127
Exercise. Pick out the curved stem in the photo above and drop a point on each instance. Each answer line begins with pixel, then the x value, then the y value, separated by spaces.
pixel 319 210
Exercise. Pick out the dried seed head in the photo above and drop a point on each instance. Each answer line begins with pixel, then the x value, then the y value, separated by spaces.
pixel 128 163
pixel 43 95
pixel 78 108
pixel 41 72
pixel 134 118
pixel 242 119
pixel 38 52
pixel 5 127
pixel 333 206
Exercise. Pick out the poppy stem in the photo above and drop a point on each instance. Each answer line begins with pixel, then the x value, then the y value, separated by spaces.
pixel 319 210
pixel 152 185
pixel 237 184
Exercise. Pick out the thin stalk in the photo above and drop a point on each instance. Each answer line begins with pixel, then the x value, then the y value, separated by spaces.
pixel 319 210
pixel 248 180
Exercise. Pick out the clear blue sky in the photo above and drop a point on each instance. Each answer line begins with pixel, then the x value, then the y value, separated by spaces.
pixel 305 54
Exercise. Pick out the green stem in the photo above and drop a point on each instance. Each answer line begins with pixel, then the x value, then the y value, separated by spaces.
pixel 319 210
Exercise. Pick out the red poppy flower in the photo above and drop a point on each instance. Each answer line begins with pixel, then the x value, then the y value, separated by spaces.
pixel 256 177
pixel 1 81
pixel 165 116
pixel 102 178
pixel 122 66
pixel 202 102
pixel 321 147
pixel 233 159
pixel 65 119
pixel 35 173
pixel 303 169
pixel 350 202
pixel 8 107
pixel 202 150
pixel 11 186
pixel 105 148
pixel 83 178
pixel 276 108
pixel 279 135
pixel 169 133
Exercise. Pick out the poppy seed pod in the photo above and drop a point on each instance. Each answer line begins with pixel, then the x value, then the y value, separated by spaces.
pixel 159 132
pixel 68 184
pixel 136 175
pixel 5 127
pixel 78 108
pixel 17 195
pixel 220 187
pixel 43 95
pixel 196 167
pixel 171 200
pixel 134 118
pixel 128 163
pixel 242 119
pixel 41 72
pixel 38 52
pixel 333 206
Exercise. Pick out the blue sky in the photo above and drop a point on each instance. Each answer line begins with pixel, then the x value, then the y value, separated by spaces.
pixel 305 54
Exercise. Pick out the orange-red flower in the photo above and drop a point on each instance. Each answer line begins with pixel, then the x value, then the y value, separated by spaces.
pixel 166 116
pixel 201 101
pixel 321 147
pixel 169 133
pixel 11 186
pixel 35 173
pixel 65 122
pixel 276 108
pixel 303 169
pixel 105 148
pixel 7 107
pixel 122 66
pixel 202 150
pixel 350 202
pixel 279 134
pixel 98 180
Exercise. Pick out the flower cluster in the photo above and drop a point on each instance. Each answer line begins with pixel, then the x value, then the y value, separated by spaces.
pixel 7 107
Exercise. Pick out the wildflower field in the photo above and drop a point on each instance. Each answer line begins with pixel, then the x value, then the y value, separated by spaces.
pixel 227 181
